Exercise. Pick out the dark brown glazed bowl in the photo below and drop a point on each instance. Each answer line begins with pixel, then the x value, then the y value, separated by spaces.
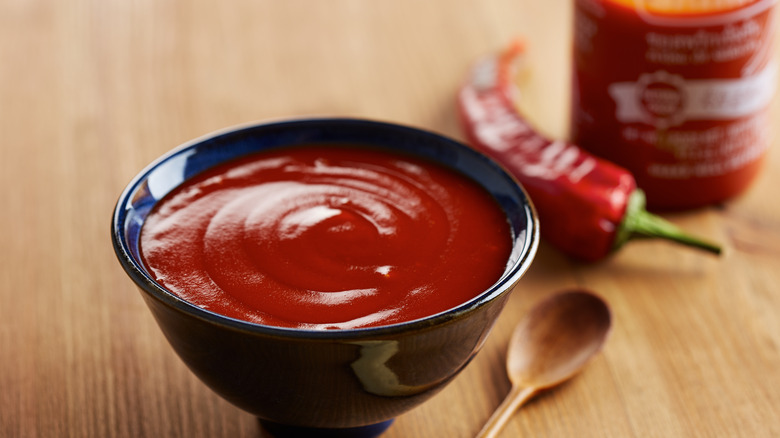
pixel 322 383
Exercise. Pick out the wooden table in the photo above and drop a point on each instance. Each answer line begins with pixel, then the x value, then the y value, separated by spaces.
pixel 92 91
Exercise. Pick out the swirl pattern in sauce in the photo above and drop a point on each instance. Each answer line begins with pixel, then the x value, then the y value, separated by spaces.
pixel 327 238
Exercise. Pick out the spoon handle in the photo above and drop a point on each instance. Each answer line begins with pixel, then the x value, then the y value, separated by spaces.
pixel 516 397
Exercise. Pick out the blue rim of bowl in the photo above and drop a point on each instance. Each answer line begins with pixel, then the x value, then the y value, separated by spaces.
pixel 523 253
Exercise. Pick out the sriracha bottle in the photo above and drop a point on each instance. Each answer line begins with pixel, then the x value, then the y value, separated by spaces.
pixel 676 91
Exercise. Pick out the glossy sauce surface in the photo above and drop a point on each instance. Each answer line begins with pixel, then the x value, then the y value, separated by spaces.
pixel 327 238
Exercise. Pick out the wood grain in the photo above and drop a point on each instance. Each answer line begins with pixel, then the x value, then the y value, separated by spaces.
pixel 91 91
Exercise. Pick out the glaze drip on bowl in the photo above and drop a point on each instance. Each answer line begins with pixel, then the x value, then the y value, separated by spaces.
pixel 327 238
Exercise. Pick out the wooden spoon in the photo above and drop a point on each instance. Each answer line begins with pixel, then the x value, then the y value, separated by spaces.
pixel 550 345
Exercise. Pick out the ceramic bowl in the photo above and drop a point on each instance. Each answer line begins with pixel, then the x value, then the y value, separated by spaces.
pixel 311 383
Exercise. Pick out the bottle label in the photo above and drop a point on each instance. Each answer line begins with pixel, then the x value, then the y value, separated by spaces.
pixel 662 99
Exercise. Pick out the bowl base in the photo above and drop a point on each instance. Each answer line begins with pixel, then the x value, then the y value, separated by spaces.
pixel 278 430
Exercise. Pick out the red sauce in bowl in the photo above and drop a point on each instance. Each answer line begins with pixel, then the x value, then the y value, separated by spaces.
pixel 327 238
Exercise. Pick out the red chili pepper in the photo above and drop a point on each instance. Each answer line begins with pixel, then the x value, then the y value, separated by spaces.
pixel 587 206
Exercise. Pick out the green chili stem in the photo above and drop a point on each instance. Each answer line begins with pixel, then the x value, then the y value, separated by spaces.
pixel 638 223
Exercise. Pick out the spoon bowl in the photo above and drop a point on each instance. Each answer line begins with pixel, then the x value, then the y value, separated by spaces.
pixel 549 346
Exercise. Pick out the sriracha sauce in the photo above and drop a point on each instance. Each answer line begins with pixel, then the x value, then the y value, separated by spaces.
pixel 329 237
